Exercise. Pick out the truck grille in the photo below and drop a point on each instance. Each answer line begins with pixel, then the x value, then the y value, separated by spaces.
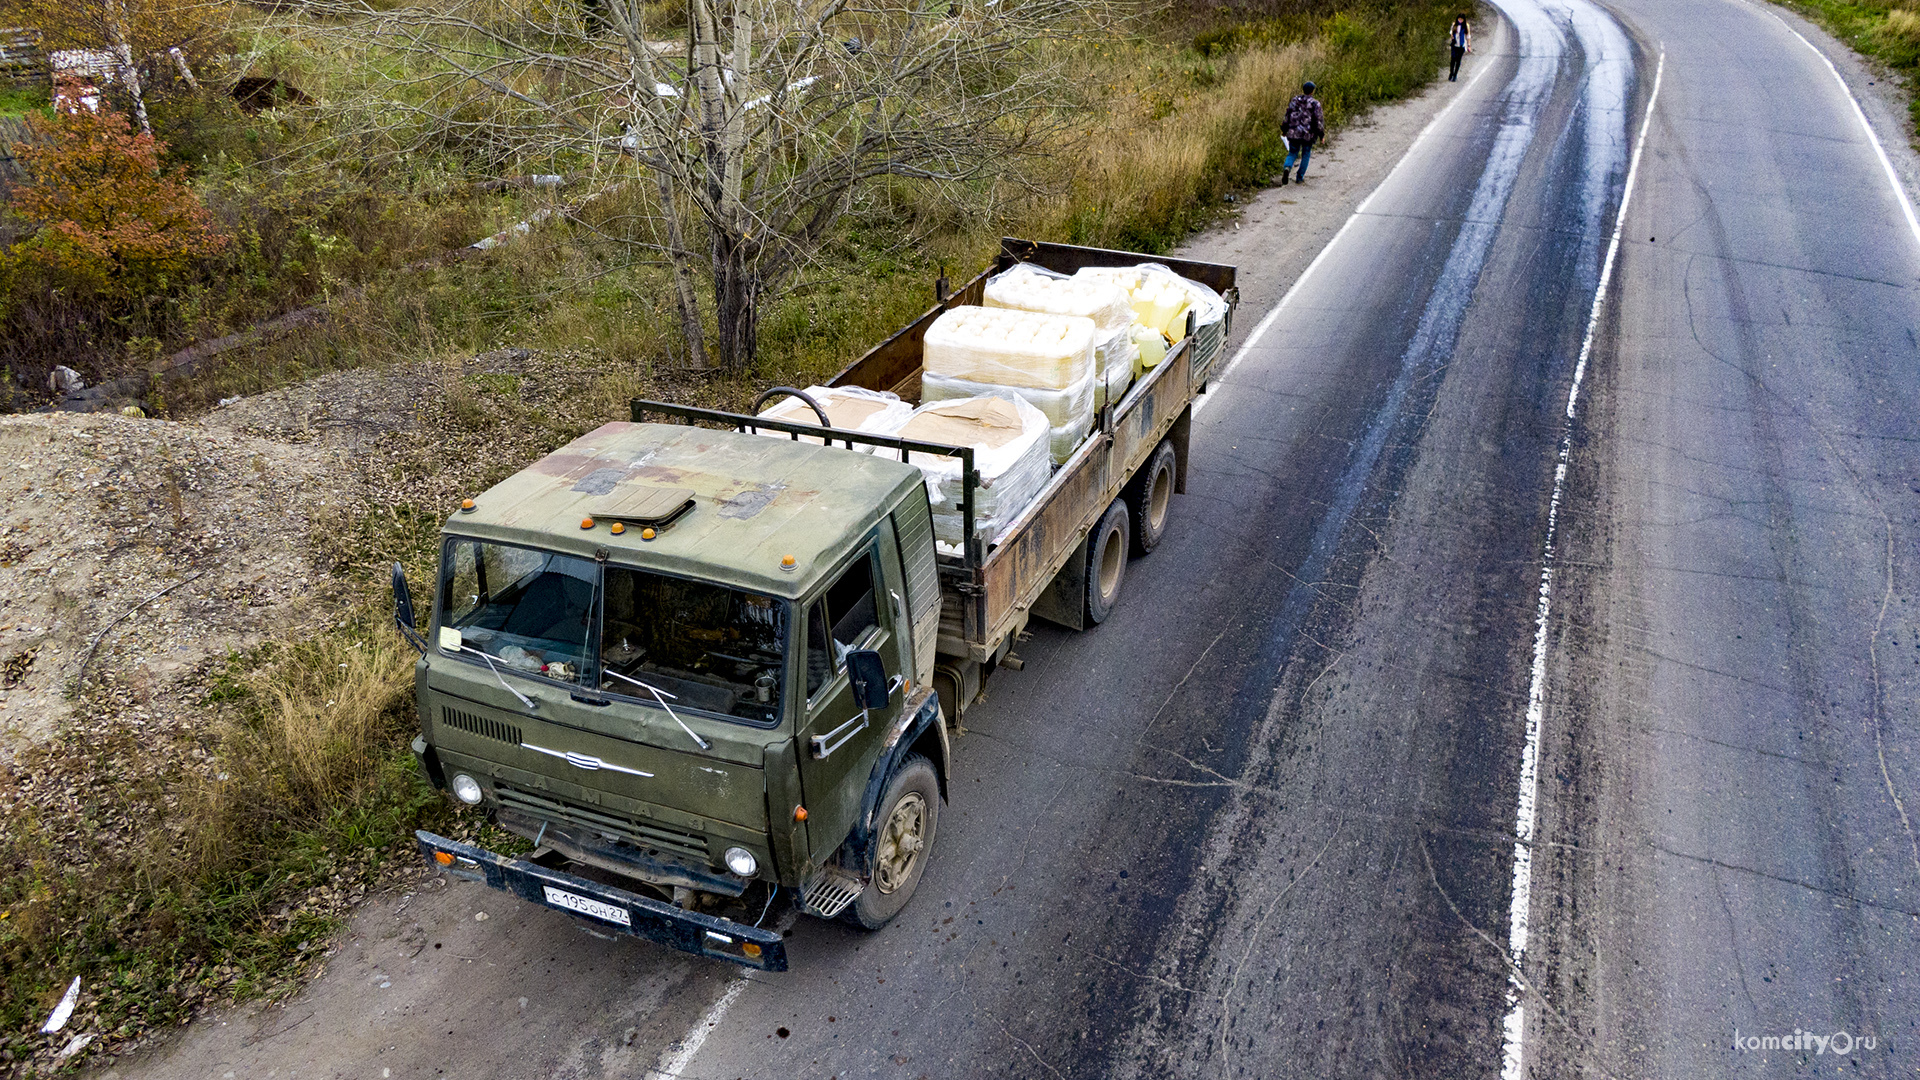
pixel 642 834
pixel 484 726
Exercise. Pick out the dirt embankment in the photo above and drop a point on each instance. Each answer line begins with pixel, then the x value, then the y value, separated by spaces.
pixel 171 543
pixel 143 548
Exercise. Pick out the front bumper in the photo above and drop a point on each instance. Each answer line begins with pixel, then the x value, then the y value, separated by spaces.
pixel 606 906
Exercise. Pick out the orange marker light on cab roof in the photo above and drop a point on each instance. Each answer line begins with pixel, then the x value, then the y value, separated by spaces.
pixel 788 562
pixel 648 534
pixel 466 506
pixel 586 523
pixel 617 528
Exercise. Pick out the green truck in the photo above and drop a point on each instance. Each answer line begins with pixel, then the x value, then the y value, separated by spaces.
pixel 700 669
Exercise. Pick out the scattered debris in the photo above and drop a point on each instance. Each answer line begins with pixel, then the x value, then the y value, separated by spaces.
pixel 63 1010
pixel 77 1044
pixel 64 380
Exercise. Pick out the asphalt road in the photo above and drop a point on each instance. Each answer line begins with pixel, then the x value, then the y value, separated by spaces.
pixel 1263 821
pixel 1730 744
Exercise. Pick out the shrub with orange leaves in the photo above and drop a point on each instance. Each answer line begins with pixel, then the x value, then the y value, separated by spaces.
pixel 110 223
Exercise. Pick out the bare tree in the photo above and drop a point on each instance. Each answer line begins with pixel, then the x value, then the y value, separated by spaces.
pixel 753 128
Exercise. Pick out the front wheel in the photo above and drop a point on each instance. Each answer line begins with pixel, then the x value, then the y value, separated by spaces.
pixel 908 817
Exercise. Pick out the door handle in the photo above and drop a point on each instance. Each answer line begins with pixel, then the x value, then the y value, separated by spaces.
pixel 895 683
pixel 838 736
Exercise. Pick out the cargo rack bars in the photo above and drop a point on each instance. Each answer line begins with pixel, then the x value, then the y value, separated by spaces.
pixel 973 552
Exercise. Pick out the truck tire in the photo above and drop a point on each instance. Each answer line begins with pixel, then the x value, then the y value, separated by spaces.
pixel 905 821
pixel 1106 562
pixel 1150 499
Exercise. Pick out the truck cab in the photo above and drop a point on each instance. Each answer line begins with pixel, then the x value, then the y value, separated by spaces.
pixel 691 667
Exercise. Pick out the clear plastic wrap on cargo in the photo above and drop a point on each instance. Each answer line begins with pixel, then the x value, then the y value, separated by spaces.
pixel 1004 347
pixel 1149 288
pixel 1009 438
pixel 850 408
pixel 1026 287
pixel 1117 359
pixel 1069 412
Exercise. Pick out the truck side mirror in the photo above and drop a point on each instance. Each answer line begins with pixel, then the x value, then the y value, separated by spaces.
pixel 868 674
pixel 403 610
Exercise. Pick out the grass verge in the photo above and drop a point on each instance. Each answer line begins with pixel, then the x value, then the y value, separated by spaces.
pixel 1883 30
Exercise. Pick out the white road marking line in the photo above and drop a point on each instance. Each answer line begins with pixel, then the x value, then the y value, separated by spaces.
pixel 1260 330
pixel 1521 905
pixel 1886 163
pixel 696 1036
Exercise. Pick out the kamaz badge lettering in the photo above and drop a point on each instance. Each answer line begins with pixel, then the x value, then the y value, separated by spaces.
pixel 584 761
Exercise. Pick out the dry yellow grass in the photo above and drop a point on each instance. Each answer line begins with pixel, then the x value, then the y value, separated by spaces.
pixel 1137 167
pixel 1903 24
pixel 327 712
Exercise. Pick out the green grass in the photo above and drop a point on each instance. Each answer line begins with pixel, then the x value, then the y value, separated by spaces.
pixel 16 102
pixel 1880 29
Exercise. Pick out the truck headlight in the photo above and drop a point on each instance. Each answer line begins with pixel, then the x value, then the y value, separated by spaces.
pixel 741 861
pixel 467 789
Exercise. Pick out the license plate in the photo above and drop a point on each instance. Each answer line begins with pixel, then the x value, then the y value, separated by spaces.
pixel 561 898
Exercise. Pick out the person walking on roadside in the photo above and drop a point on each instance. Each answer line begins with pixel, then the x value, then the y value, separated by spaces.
pixel 1461 39
pixel 1305 123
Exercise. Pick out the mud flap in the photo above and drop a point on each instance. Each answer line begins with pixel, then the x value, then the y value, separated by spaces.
pixel 1065 600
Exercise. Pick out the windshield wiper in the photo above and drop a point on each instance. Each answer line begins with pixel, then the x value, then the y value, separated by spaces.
pixel 657 692
pixel 488 657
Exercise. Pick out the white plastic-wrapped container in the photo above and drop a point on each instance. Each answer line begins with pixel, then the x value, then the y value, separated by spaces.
pixel 1117 358
pixel 1026 287
pixel 1009 439
pixel 1069 412
pixel 850 408
pixel 1005 347
pixel 1160 297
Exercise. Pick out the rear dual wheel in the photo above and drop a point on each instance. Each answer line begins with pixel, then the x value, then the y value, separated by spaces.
pixel 1150 499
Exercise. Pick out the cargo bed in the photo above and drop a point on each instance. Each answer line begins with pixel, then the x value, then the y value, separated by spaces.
pixel 988 594
pixel 1037 563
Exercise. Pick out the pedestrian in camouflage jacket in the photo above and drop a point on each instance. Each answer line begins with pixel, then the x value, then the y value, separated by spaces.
pixel 1303 126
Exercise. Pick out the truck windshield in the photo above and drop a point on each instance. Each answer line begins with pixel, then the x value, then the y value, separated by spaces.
pixel 528 610
pixel 710 647
pixel 702 646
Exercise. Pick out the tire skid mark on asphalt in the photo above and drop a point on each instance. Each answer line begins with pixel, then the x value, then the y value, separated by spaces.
pixel 1218 382
pixel 1520 908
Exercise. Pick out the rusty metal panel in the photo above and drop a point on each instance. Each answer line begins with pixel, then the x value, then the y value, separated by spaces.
pixel 1023 565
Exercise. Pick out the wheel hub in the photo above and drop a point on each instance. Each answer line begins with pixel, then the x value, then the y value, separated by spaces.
pixel 900 842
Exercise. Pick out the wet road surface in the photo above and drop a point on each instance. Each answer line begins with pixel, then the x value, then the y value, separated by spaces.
pixel 1729 754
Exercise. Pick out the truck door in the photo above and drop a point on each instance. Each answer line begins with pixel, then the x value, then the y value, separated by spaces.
pixel 837 743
